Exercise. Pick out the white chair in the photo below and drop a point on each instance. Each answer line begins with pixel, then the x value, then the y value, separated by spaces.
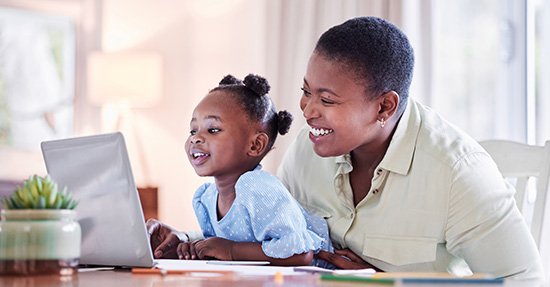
pixel 522 161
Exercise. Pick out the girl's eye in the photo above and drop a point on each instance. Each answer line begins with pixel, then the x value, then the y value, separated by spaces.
pixel 306 92
pixel 193 132
pixel 213 130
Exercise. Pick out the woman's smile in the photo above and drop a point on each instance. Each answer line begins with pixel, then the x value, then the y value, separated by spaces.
pixel 320 131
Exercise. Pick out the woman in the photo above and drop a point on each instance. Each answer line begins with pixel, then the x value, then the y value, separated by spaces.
pixel 401 189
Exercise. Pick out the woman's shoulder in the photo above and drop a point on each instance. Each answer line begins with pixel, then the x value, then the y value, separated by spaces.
pixel 443 140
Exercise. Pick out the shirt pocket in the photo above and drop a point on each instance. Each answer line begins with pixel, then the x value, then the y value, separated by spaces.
pixel 400 250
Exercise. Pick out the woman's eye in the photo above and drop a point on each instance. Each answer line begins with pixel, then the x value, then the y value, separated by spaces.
pixel 306 92
pixel 213 130
pixel 193 132
pixel 327 102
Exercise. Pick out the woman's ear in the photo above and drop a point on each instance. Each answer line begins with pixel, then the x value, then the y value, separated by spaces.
pixel 259 144
pixel 388 105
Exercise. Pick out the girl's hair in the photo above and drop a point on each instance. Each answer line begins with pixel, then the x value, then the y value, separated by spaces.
pixel 376 51
pixel 251 94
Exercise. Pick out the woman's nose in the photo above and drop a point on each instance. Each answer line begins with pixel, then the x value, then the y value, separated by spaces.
pixel 308 108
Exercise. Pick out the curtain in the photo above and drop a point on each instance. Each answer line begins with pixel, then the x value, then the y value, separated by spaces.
pixel 293 29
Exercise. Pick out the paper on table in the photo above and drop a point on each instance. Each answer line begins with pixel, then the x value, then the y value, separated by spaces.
pixel 367 272
pixel 204 265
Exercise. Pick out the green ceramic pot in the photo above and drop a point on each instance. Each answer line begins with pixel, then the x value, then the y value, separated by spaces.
pixel 39 241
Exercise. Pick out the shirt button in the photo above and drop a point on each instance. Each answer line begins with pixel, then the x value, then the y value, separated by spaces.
pixel 379 171
pixel 351 215
pixel 375 191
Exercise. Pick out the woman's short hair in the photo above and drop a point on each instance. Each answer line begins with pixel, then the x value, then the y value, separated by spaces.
pixel 376 51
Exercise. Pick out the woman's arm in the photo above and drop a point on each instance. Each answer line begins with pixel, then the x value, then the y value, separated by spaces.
pixel 224 249
pixel 484 225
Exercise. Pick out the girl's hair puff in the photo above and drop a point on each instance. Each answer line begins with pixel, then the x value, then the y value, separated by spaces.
pixel 251 94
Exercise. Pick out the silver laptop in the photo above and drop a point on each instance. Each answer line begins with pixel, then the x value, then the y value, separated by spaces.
pixel 96 169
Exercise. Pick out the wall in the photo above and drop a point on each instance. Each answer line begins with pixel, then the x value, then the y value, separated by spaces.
pixel 200 42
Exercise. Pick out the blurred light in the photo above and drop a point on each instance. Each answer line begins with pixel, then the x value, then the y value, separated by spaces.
pixel 127 78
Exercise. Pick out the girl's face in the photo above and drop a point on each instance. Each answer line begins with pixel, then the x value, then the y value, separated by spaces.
pixel 336 108
pixel 219 138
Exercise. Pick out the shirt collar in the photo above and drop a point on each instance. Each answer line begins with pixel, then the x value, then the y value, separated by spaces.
pixel 344 163
pixel 400 152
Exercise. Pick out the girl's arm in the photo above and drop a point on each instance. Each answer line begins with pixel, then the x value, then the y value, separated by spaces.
pixel 224 249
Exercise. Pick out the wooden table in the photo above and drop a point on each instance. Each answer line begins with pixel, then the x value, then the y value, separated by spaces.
pixel 108 278
pixel 122 278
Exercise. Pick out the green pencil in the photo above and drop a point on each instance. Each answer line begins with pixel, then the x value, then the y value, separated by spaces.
pixel 357 278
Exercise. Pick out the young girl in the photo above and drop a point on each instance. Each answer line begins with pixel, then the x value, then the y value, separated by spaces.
pixel 247 214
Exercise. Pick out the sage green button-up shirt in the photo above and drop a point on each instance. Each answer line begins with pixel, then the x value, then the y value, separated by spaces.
pixel 437 203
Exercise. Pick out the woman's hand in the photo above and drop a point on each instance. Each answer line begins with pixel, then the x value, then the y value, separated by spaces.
pixel 164 239
pixel 344 259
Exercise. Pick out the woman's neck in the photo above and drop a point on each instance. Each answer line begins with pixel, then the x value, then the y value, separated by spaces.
pixel 369 156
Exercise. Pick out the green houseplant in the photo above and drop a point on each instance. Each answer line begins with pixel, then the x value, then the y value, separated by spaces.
pixel 39 233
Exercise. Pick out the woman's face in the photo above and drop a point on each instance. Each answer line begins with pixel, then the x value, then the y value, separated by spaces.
pixel 220 136
pixel 336 108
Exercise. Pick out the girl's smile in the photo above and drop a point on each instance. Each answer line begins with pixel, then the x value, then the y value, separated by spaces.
pixel 198 157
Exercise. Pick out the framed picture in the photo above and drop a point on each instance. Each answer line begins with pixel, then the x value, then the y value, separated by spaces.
pixel 37 78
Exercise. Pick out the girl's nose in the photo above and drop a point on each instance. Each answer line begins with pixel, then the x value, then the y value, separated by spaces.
pixel 195 139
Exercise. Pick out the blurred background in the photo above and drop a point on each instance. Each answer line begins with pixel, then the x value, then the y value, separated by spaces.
pixel 82 67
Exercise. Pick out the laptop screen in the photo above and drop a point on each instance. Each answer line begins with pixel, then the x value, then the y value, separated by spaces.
pixel 96 170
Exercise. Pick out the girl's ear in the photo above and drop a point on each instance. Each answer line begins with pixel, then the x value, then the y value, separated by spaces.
pixel 259 144
pixel 388 105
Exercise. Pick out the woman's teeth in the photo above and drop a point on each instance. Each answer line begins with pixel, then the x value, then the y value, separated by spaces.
pixel 319 132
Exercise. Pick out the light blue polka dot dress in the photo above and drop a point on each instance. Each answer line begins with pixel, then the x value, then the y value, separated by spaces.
pixel 263 211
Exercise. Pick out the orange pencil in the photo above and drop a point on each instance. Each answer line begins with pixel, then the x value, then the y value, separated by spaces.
pixel 167 272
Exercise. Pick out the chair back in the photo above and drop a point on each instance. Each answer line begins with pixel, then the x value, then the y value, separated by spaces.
pixel 522 162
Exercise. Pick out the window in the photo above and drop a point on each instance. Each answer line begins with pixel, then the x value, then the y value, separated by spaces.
pixel 489 59
pixel 542 70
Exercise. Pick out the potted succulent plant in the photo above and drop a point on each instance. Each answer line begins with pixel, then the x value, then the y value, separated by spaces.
pixel 39 233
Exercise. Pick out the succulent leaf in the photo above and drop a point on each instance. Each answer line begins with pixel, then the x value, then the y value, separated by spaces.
pixel 39 193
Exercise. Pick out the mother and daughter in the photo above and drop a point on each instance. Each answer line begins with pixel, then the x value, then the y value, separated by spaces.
pixel 399 188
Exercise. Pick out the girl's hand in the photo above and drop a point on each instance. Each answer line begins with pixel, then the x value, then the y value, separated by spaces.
pixel 213 247
pixel 187 251
pixel 344 259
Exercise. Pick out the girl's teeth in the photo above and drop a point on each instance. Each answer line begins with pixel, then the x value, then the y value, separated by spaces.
pixel 198 154
pixel 320 132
